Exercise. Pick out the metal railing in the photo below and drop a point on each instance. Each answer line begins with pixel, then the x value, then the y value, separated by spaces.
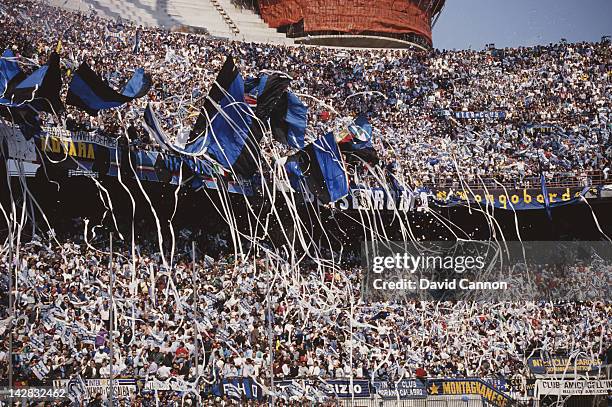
pixel 562 180
pixel 430 401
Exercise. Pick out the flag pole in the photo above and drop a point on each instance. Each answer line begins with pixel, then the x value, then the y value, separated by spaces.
pixel 11 309
pixel 270 342
pixel 195 306
pixel 110 320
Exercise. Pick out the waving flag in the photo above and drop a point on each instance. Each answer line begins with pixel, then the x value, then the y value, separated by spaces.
pixel 10 73
pixel 324 170
pixel 41 89
pixel 76 390
pixel 38 92
pixel 357 146
pixel 288 121
pixel 270 89
pixel 545 194
pixel 362 132
pixel 89 93
pixel 294 171
pixel 271 100
pixel 225 126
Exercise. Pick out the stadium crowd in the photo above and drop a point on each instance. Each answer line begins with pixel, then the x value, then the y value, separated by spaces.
pixel 316 323
pixel 409 95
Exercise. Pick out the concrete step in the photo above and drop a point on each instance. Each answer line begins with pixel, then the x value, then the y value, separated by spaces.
pixel 146 12
pixel 200 13
pixel 251 26
pixel 219 17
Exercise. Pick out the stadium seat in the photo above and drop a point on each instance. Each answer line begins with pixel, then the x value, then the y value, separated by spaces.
pixel 219 17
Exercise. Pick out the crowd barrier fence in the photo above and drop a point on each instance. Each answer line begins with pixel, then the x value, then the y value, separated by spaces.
pixel 430 401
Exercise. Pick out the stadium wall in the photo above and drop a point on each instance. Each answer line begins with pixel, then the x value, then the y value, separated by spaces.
pixel 388 18
pixel 430 401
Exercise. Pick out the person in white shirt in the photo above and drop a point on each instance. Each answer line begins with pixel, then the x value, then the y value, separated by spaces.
pixel 163 372
pixel 105 371
pixel 248 369
pixel 303 370
pixel 339 372
pixel 314 370
pixel 286 370
pixel 100 357
pixel 152 368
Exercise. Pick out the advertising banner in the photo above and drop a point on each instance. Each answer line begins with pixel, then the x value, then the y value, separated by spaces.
pixel 573 387
pixel 478 387
pixel 563 365
pixel 517 199
pixel 405 389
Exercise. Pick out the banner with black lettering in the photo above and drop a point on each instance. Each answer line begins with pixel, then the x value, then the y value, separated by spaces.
pixel 563 365
pixel 367 199
pixel 171 384
pixel 491 115
pixel 317 389
pixel 517 199
pixel 346 388
pixel 576 387
pixel 480 115
pixel 404 389
pixel 121 387
pixel 457 387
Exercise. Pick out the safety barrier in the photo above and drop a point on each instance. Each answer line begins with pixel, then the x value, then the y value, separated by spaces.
pixel 430 401
pixel 562 180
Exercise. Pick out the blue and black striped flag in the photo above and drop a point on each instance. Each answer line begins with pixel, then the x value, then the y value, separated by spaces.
pixel 225 124
pixel 89 93
pixel 320 165
pixel 41 90
pixel 10 73
pixel 286 111
pixel 38 92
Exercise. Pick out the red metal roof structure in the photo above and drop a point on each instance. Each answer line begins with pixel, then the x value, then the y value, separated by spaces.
pixel 386 23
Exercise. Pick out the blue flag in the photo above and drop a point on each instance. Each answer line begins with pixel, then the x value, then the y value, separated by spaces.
pixel 151 124
pixel 286 111
pixel 10 73
pixel 89 93
pixel 138 85
pixel 292 166
pixel 324 169
pixel 362 133
pixel 359 145
pixel 225 126
pixel 296 116
pixel 41 90
pixel 270 90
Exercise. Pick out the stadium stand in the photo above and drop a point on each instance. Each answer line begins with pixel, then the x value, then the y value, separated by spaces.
pixel 220 18
pixel 80 310
pixel 141 12
pixel 205 14
pixel 250 25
